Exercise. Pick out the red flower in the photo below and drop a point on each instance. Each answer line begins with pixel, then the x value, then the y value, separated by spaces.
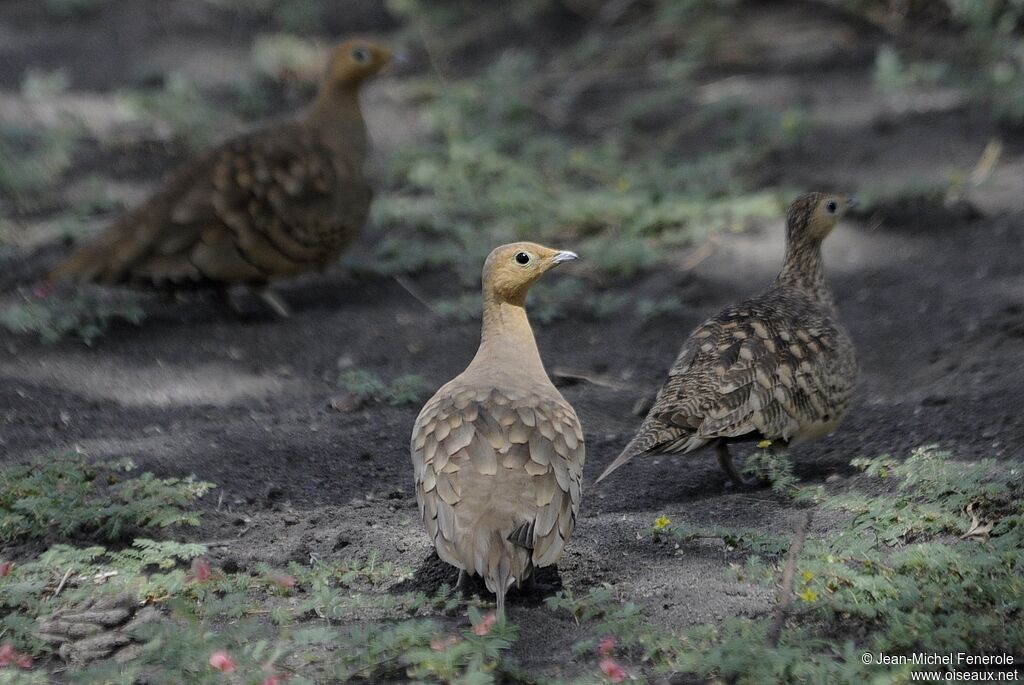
pixel 606 646
pixel 441 644
pixel 611 668
pixel 273 680
pixel 10 656
pixel 5 568
pixel 285 582
pixel 222 662
pixel 201 571
pixel 42 289
pixel 484 626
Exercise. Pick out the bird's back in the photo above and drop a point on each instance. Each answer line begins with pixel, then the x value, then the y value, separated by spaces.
pixel 777 366
pixel 272 203
pixel 498 472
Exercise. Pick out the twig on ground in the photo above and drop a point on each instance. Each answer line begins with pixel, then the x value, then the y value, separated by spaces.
pixel 63 581
pixel 785 593
pixel 415 293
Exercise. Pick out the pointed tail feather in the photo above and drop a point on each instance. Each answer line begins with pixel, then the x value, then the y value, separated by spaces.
pixel 623 457
pixel 647 439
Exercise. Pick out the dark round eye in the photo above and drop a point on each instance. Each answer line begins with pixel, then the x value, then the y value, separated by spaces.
pixel 831 207
pixel 522 258
pixel 361 55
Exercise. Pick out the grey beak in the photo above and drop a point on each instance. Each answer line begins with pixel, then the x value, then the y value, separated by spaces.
pixel 852 202
pixel 564 256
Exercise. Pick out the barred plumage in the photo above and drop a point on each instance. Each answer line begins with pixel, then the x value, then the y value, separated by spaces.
pixel 778 366
pixel 272 203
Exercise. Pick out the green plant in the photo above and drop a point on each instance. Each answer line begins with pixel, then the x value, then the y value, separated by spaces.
pixel 406 389
pixel 985 61
pixel 366 385
pixel 67 496
pixel 33 164
pixel 771 466
pixel 306 624
pixel 928 560
pixel 892 73
pixel 753 541
pixel 85 315
pixel 508 156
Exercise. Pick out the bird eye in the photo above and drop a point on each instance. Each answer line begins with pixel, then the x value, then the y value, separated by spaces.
pixel 831 207
pixel 361 55
pixel 522 258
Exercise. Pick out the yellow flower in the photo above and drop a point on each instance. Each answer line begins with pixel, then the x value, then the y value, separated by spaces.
pixel 764 444
pixel 623 185
pixel 661 523
pixel 807 575
pixel 808 595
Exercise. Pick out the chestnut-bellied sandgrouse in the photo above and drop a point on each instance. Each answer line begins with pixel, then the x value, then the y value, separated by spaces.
pixel 272 203
pixel 777 367
pixel 497 451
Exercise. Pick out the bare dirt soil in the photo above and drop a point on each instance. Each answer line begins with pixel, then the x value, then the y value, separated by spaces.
pixel 933 296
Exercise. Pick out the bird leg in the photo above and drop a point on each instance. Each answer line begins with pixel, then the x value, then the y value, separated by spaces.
pixel 500 600
pixel 462 584
pixel 725 460
pixel 273 300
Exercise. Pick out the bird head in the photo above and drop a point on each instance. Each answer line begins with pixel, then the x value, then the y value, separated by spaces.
pixel 511 269
pixel 356 60
pixel 812 216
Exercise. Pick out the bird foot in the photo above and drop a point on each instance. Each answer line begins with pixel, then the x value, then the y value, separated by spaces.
pixel 736 479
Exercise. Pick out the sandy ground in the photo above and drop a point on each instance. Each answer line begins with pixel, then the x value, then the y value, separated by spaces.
pixel 934 298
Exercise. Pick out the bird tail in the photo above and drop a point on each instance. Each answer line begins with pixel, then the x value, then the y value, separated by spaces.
pixel 85 264
pixel 647 439
pixel 504 562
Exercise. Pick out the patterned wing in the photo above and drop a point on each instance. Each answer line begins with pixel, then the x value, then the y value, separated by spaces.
pixel 268 204
pixel 754 370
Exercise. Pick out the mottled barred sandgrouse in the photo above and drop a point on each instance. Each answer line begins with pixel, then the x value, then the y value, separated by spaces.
pixel 498 452
pixel 269 204
pixel 776 367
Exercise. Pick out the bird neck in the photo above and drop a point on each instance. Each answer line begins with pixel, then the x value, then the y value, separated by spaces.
pixel 336 117
pixel 506 335
pixel 804 269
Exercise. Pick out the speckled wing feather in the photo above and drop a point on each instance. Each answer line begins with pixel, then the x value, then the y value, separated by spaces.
pixel 269 204
pixel 498 476
pixel 779 366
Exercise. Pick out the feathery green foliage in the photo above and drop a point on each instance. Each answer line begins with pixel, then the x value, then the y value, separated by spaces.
pixel 87 315
pixel 68 497
pixel 401 390
pixel 932 563
pixel 511 154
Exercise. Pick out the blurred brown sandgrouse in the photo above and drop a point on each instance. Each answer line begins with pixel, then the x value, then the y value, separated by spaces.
pixel 497 451
pixel 778 367
pixel 272 203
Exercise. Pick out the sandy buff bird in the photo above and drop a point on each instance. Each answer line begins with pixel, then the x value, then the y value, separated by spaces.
pixel 273 203
pixel 498 452
pixel 776 367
